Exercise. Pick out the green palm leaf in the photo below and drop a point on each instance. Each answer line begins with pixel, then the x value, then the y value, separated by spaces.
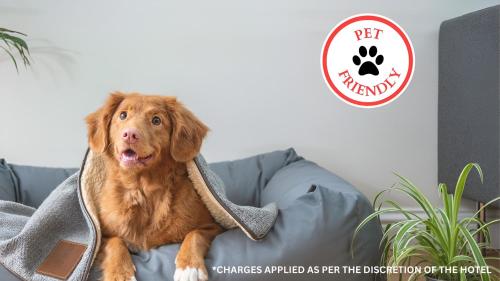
pixel 13 42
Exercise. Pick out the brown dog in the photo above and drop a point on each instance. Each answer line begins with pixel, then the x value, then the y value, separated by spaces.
pixel 147 199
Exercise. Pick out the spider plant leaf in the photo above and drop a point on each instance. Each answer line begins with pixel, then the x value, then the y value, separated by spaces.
pixel 459 188
pixel 408 239
pixel 460 258
pixel 407 253
pixel 431 240
pixel 485 227
pixel 403 230
pixel 439 237
pixel 481 227
pixel 438 231
pixel 379 195
pixel 385 254
pixel 446 221
pixel 462 276
pixel 11 31
pixel 451 234
pixel 11 57
pixel 406 213
pixel 437 246
pixel 432 254
pixel 476 251
pixel 485 205
pixel 14 42
pixel 418 196
pixel 443 190
pixel 7 43
pixel 389 229
pixel 414 276
pixel 23 51
pixel 365 221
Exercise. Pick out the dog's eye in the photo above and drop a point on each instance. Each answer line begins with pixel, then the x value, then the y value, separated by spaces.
pixel 123 115
pixel 156 120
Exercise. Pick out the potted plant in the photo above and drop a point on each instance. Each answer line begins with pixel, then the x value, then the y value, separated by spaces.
pixel 438 238
pixel 13 42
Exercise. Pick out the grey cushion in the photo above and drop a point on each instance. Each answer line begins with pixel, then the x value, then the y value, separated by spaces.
pixel 8 185
pixel 6 275
pixel 245 179
pixel 29 185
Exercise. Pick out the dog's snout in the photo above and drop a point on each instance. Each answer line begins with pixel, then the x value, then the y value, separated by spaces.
pixel 130 135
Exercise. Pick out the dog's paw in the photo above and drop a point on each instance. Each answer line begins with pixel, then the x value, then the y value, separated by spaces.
pixel 190 274
pixel 119 278
pixel 120 274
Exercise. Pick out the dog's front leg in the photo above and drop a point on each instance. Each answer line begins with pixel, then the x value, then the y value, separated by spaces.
pixel 190 261
pixel 116 262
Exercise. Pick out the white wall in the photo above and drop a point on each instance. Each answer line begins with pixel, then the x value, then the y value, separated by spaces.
pixel 249 69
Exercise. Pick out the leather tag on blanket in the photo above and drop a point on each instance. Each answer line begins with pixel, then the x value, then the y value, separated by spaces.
pixel 62 260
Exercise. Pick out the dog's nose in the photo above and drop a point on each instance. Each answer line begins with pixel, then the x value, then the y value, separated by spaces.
pixel 130 135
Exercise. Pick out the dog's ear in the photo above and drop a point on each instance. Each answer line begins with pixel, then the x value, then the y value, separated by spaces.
pixel 98 123
pixel 187 131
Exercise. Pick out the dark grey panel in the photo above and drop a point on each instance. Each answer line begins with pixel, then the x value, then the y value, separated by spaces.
pixel 469 103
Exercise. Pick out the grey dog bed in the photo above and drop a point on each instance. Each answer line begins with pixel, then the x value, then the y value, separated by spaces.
pixel 318 213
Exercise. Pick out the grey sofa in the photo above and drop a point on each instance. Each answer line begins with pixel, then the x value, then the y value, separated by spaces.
pixel 318 212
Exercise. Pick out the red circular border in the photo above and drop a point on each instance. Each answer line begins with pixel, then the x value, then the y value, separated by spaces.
pixel 374 18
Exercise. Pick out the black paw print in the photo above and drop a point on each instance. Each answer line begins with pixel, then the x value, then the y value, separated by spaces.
pixel 368 67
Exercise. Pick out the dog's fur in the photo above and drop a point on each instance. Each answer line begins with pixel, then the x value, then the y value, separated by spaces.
pixel 149 201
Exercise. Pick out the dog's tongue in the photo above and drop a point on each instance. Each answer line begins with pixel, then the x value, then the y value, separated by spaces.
pixel 130 158
pixel 129 155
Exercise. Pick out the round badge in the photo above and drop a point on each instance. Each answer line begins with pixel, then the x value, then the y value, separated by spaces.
pixel 367 60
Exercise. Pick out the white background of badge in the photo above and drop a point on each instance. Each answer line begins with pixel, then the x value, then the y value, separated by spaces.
pixel 249 69
pixel 345 45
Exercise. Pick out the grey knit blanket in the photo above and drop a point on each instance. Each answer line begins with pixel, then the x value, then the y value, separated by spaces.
pixel 28 235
